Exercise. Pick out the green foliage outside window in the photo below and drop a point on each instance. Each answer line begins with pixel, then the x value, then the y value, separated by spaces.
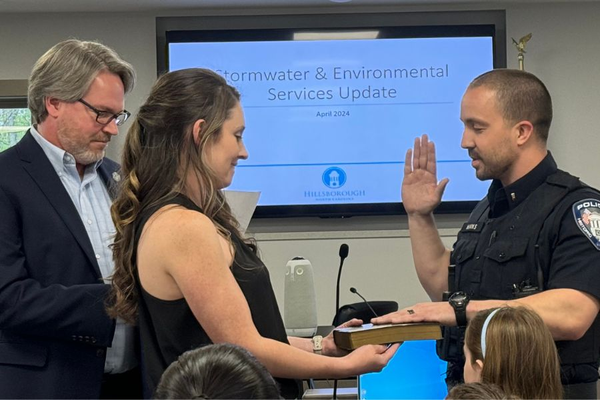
pixel 14 123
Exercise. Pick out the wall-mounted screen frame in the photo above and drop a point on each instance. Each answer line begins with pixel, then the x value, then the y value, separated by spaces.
pixel 305 160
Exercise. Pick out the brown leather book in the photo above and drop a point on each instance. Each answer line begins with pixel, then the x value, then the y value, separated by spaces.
pixel 352 338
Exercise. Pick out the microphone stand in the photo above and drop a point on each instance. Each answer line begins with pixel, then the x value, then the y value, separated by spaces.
pixel 337 293
pixel 343 254
pixel 353 290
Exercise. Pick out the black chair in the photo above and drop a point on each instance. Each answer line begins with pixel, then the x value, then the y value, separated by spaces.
pixel 362 311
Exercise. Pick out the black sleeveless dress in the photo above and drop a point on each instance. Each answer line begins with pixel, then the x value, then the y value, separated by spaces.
pixel 169 328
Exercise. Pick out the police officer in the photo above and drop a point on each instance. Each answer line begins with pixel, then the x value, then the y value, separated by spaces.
pixel 524 244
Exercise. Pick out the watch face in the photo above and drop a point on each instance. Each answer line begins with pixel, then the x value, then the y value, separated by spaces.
pixel 458 298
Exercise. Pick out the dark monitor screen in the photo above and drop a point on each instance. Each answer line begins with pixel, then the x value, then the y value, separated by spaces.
pixel 332 105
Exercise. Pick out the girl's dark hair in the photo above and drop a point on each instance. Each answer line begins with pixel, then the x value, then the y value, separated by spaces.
pixel 220 371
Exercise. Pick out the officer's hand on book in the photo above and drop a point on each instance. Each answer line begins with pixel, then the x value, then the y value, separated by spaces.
pixel 439 311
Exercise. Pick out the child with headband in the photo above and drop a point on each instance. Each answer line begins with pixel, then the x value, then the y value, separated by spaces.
pixel 512 348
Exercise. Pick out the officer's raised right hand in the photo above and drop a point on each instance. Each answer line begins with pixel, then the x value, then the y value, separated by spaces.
pixel 421 192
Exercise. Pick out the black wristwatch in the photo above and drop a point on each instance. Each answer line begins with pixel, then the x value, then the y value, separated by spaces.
pixel 459 301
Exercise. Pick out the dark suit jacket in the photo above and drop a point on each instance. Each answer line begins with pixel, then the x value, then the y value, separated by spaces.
pixel 54 329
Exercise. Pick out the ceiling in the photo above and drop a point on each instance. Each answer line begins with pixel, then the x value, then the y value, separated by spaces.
pixel 174 5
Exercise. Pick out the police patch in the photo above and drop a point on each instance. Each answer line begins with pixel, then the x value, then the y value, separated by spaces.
pixel 587 218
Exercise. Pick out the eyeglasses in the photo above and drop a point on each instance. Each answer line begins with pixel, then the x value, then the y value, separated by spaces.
pixel 104 117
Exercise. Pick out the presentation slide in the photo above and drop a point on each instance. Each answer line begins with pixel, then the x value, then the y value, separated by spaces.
pixel 329 121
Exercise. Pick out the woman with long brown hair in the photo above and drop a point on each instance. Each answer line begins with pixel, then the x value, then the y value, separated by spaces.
pixel 513 348
pixel 182 269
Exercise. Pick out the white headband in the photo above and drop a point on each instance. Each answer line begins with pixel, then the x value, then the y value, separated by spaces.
pixel 484 330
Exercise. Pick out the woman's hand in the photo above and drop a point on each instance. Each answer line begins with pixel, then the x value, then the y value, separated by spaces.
pixel 329 346
pixel 370 358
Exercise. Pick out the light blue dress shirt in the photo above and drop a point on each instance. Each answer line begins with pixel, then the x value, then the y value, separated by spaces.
pixel 92 201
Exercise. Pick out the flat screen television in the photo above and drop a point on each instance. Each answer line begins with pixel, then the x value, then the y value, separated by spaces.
pixel 332 102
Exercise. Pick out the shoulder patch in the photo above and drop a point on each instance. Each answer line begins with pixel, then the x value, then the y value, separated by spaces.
pixel 587 218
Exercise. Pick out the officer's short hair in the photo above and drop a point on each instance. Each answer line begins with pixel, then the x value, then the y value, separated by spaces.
pixel 520 96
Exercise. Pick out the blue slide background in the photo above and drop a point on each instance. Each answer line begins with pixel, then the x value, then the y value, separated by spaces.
pixel 292 142
pixel 415 372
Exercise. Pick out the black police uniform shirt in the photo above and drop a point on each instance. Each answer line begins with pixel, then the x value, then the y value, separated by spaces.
pixel 574 261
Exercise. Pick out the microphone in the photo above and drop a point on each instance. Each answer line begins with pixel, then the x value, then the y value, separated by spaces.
pixel 344 251
pixel 353 290
pixel 343 254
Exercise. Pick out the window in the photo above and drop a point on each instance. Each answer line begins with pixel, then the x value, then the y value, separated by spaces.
pixel 15 119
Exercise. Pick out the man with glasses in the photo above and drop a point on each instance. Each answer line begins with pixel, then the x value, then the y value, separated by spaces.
pixel 56 340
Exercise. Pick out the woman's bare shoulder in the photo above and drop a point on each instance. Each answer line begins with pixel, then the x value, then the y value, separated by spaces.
pixel 177 225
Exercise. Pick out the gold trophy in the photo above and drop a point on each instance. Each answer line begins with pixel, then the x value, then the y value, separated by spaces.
pixel 520 45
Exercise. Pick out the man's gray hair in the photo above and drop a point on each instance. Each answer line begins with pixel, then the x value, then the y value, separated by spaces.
pixel 67 70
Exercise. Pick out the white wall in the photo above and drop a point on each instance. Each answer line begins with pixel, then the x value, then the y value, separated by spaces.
pixel 564 53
